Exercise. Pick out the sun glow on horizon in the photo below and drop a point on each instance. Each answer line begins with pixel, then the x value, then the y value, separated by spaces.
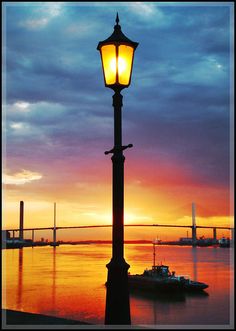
pixel 41 214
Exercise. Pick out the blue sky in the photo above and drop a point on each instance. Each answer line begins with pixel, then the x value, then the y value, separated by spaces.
pixel 58 113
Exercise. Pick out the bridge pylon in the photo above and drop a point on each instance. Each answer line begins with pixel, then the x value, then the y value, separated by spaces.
pixel 194 228
pixel 21 227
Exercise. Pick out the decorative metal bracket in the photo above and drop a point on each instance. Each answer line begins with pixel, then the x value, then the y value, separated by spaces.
pixel 118 149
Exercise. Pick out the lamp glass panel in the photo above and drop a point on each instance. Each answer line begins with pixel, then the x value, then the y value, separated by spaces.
pixel 125 57
pixel 108 53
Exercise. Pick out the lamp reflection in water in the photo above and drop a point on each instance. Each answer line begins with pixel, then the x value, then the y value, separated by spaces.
pixel 54 279
pixel 20 279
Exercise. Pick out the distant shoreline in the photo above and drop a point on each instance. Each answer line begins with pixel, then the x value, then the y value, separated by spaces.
pixel 146 242
pixel 127 242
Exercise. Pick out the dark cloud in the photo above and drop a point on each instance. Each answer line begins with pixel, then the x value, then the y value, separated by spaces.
pixel 176 107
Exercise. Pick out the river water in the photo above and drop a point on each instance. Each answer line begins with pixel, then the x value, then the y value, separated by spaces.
pixel 68 281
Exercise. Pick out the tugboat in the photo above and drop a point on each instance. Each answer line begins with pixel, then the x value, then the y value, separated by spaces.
pixel 161 279
pixel 157 278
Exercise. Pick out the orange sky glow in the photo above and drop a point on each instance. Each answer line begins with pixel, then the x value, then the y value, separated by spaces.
pixel 154 194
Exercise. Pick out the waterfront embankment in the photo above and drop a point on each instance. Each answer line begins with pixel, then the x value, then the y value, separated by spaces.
pixel 13 317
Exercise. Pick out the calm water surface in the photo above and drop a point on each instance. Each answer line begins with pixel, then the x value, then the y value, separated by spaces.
pixel 68 281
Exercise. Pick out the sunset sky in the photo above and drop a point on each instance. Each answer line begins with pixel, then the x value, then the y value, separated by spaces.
pixel 58 115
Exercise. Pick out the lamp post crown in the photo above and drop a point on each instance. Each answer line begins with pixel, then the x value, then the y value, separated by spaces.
pixel 117 37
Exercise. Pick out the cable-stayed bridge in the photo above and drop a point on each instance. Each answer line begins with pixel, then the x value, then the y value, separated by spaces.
pixel 55 228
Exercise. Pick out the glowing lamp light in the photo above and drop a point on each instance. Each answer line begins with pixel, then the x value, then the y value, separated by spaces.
pixel 117 53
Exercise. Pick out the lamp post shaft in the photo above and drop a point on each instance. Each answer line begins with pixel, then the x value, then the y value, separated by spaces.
pixel 117 104
pixel 118 182
pixel 117 299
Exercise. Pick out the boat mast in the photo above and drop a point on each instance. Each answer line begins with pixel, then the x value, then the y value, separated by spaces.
pixel 154 252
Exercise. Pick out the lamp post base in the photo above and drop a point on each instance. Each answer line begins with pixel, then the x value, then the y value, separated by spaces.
pixel 117 299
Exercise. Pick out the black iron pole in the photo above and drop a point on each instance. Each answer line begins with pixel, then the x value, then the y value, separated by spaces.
pixel 117 298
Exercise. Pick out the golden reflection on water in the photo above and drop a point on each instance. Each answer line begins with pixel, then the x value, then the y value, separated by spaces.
pixel 54 279
pixel 194 250
pixel 68 281
pixel 20 279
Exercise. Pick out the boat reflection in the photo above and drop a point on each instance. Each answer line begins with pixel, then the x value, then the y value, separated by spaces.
pixel 201 294
pixel 160 296
pixel 166 296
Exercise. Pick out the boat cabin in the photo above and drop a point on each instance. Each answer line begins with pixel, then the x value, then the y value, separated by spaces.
pixel 158 270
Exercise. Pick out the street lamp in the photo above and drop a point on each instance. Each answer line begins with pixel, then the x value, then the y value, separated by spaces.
pixel 117 54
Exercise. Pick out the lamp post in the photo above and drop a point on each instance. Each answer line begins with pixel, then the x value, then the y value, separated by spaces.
pixel 117 54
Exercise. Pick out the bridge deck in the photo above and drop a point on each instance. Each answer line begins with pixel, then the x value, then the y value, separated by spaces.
pixel 127 225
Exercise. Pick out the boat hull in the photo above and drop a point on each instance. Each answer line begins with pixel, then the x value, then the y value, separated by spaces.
pixel 195 286
pixel 147 283
pixel 164 284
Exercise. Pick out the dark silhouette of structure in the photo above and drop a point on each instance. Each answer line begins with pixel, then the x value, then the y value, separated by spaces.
pixel 194 229
pixel 21 229
pixel 116 50
pixel 54 243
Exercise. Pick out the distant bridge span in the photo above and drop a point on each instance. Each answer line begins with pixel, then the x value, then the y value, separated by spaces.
pixel 54 228
pixel 127 225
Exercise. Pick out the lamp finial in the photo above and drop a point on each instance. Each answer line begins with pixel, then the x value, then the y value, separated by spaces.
pixel 117 19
